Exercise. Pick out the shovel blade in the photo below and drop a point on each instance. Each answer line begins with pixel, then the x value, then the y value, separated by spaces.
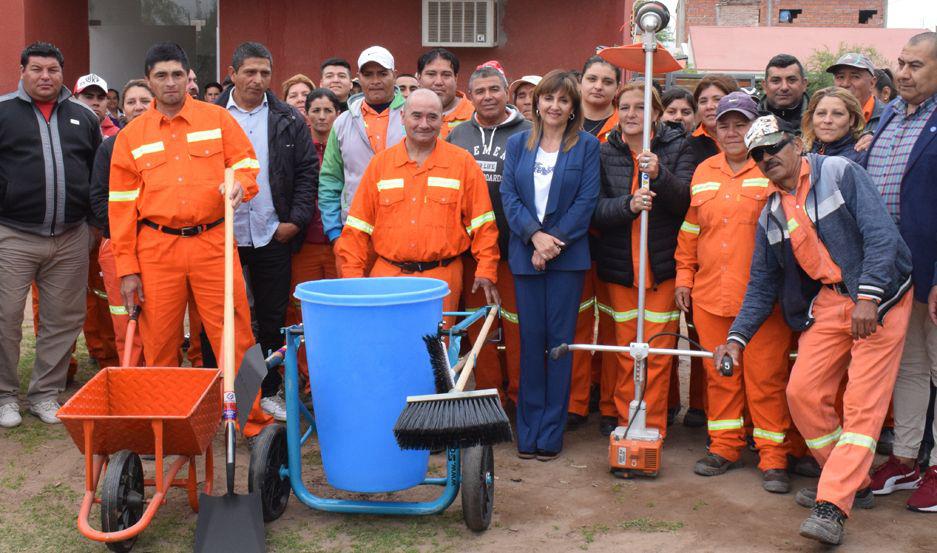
pixel 250 375
pixel 230 523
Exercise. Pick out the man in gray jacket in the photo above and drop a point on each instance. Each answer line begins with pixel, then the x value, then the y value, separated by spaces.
pixel 829 253
pixel 485 136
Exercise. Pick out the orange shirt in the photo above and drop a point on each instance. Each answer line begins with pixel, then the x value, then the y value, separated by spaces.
pixel 461 113
pixel 376 125
pixel 610 124
pixel 868 108
pixel 169 170
pixel 717 238
pixel 811 253
pixel 421 213
pixel 636 235
pixel 700 131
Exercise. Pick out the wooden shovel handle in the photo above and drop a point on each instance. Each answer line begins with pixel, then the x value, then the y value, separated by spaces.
pixel 227 330
pixel 476 349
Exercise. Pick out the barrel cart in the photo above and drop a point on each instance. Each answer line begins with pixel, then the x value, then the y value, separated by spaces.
pixel 355 408
pixel 125 412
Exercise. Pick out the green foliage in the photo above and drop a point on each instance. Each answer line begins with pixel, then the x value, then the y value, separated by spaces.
pixel 818 78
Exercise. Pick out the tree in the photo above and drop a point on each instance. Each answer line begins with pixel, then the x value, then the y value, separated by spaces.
pixel 817 76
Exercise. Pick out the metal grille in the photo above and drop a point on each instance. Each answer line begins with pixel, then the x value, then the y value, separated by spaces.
pixel 464 23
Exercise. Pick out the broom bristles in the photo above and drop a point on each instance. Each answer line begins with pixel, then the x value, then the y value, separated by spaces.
pixel 439 361
pixel 458 421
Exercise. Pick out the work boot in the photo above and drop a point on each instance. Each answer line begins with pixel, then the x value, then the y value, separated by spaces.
pixel 807 497
pixel 714 465
pixel 574 421
pixel 825 524
pixel 694 418
pixel 886 441
pixel 892 476
pixel 607 425
pixel 805 466
pixel 924 499
pixel 776 481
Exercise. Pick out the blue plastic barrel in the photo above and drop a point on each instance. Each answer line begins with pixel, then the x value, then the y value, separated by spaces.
pixel 366 355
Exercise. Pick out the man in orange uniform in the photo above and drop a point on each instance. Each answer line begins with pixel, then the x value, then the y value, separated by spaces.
pixel 714 253
pixel 423 202
pixel 830 253
pixel 166 214
pixel 438 70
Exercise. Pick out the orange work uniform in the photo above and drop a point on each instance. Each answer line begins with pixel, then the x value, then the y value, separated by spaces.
pixel 844 446
pixel 421 214
pixel 98 328
pixel 167 172
pixel 714 254
pixel 660 315
pixel 461 113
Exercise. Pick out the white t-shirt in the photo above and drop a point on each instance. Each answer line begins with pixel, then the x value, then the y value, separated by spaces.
pixel 543 176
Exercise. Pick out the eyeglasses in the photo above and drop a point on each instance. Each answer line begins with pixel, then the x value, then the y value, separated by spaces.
pixel 758 154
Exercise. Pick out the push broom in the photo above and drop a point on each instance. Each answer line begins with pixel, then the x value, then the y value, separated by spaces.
pixel 455 419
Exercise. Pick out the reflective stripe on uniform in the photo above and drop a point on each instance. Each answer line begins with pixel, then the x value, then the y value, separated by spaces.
pixel 388 184
pixel 726 424
pixel 757 183
pixel 792 225
pixel 852 438
pixel 117 309
pixel 631 314
pixel 357 223
pixel 508 316
pixel 123 196
pixel 150 148
pixel 246 163
pixel 586 304
pixel 823 441
pixel 689 227
pixel 443 182
pixel 487 217
pixel 99 293
pixel 704 187
pixel 199 136
pixel 776 437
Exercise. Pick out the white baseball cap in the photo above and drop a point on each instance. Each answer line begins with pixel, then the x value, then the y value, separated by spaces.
pixel 377 54
pixel 90 80
pixel 526 79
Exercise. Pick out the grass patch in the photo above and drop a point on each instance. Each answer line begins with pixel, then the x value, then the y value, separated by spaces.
pixel 699 504
pixel 33 433
pixel 380 535
pixel 589 533
pixel 650 526
pixel 44 522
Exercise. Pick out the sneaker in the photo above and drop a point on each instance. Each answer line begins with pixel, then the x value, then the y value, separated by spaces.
pixel 607 425
pixel 924 499
pixel 892 476
pixel 714 465
pixel 886 441
pixel 274 406
pixel 526 455
pixel 807 497
pixel 574 421
pixel 776 481
pixel 10 415
pixel 694 418
pixel 825 524
pixel 46 411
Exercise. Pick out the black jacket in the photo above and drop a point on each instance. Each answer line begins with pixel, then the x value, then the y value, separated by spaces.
pixel 791 115
pixel 45 167
pixel 100 178
pixel 613 217
pixel 293 164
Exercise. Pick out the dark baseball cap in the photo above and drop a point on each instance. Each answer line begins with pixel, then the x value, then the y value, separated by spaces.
pixel 853 59
pixel 737 101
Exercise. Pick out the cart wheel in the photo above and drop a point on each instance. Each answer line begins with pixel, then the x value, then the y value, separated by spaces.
pixel 268 455
pixel 122 496
pixel 478 486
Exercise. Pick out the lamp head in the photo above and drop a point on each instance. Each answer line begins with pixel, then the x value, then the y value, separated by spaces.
pixel 652 17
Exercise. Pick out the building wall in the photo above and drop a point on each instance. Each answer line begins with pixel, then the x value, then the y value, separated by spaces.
pixel 816 13
pixel 536 35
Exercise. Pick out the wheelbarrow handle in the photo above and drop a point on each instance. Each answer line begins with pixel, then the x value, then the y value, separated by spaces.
pixel 476 349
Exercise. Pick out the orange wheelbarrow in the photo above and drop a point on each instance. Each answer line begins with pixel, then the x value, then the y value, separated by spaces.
pixel 125 412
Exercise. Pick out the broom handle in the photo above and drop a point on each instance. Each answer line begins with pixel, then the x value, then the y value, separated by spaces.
pixel 476 348
pixel 227 330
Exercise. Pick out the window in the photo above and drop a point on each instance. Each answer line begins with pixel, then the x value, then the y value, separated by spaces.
pixel 866 15
pixel 788 16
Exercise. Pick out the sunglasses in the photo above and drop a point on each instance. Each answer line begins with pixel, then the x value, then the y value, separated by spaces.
pixel 758 154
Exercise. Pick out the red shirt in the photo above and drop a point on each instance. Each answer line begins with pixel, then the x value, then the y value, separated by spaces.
pixel 314 232
pixel 46 108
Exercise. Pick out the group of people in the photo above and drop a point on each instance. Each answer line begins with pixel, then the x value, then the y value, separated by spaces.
pixel 778 226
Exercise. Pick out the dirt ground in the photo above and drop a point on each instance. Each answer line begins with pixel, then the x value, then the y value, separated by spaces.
pixel 570 504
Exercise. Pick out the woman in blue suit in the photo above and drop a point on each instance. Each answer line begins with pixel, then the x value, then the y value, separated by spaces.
pixel 549 191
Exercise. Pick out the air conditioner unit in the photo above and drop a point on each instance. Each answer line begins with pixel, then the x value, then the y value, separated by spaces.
pixel 457 23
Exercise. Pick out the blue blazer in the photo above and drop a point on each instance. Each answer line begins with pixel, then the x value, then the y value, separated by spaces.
pixel 918 224
pixel 574 191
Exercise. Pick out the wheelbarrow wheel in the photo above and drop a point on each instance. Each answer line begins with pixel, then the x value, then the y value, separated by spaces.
pixel 122 496
pixel 478 487
pixel 268 455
